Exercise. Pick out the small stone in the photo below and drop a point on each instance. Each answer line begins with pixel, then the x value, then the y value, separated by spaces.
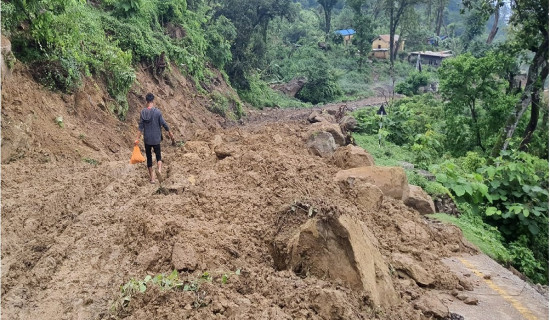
pixel 487 276
pixel 471 301
pixel 462 297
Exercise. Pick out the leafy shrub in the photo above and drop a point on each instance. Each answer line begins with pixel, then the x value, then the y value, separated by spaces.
pixel 433 188
pixel 219 36
pixel 427 148
pixel 260 95
pixel 414 81
pixel 525 261
pixel 511 195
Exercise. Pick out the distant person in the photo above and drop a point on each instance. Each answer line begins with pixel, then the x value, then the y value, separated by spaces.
pixel 150 122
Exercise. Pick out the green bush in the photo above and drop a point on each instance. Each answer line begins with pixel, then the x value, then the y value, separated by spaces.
pixel 260 95
pixel 414 81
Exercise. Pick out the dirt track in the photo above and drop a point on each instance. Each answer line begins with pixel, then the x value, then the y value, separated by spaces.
pixel 74 231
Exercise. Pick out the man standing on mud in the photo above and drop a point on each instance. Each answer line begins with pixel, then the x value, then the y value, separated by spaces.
pixel 150 121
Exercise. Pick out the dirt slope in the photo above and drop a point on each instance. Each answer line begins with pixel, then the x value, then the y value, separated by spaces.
pixel 234 198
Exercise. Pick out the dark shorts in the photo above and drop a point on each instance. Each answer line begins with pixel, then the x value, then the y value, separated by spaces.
pixel 149 155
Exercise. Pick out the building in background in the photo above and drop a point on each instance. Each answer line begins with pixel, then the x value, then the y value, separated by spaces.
pixel 381 46
pixel 347 35
pixel 428 58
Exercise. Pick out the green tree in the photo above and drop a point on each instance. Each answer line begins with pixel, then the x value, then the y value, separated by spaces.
pixel 475 97
pixel 395 10
pixel 251 20
pixel 530 33
pixel 364 27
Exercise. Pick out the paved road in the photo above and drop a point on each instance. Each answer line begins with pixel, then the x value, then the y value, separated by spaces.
pixel 501 294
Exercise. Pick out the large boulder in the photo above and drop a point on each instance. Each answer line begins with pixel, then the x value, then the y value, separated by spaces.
pixel 420 200
pixel 318 116
pixel 321 144
pixel 332 128
pixel 391 180
pixel 348 123
pixel 342 249
pixel 292 87
pixel 352 156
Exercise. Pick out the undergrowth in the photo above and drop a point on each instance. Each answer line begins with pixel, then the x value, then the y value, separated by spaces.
pixel 171 281
pixel 487 238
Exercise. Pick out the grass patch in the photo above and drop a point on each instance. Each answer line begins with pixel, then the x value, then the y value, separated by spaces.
pixel 487 238
pixel 386 155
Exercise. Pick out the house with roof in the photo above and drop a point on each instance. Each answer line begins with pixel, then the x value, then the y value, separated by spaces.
pixel 430 58
pixel 347 35
pixel 381 46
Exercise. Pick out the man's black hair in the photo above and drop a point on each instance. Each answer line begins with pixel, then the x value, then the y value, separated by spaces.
pixel 149 97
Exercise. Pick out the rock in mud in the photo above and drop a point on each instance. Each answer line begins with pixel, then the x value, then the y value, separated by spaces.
pixel 348 123
pixel 321 144
pixel 420 200
pixel 148 257
pixel 366 196
pixel 317 116
pixel 332 128
pixel 431 306
pixel 391 180
pixel 352 156
pixel 471 301
pixel 184 257
pixel 411 268
pixel 342 249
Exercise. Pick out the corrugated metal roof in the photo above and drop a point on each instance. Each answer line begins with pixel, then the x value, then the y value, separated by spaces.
pixel 441 54
pixel 345 32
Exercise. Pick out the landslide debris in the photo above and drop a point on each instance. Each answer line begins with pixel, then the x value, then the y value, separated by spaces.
pixel 310 239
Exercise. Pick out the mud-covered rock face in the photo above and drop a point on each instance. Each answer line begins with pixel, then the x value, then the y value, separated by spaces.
pixel 420 200
pixel 391 180
pixel 339 250
pixel 352 156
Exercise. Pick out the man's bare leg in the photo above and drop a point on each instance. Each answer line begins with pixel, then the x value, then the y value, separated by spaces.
pixel 158 171
pixel 151 177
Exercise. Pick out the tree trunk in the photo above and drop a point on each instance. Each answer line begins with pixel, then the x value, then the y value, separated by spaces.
pixel 538 64
pixel 392 35
pixel 494 29
pixel 535 109
pixel 476 126
pixel 327 20
pixel 439 22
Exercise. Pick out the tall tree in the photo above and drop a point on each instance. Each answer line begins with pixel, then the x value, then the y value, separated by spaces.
pixel 251 19
pixel 363 25
pixel 471 86
pixel 529 23
pixel 395 10
pixel 327 5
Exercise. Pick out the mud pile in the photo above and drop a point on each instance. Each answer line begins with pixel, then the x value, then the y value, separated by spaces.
pixel 255 223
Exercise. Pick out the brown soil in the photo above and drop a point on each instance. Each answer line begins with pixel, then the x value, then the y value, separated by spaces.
pixel 78 221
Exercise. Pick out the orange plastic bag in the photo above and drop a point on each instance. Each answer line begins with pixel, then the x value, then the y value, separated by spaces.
pixel 136 156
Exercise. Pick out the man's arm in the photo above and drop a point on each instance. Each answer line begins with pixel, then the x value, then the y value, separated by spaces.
pixel 165 125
